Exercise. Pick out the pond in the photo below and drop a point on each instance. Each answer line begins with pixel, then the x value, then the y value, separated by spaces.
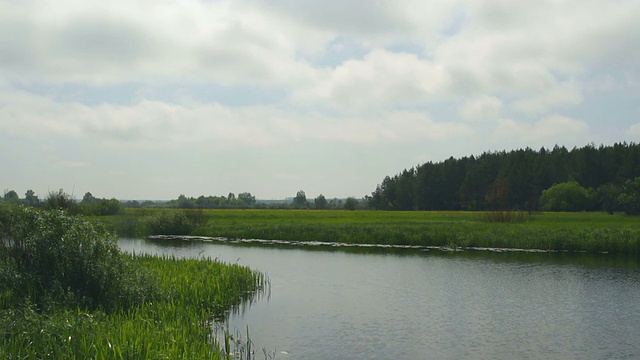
pixel 409 304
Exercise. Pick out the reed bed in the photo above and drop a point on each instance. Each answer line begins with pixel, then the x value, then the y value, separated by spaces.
pixel 176 325
pixel 591 232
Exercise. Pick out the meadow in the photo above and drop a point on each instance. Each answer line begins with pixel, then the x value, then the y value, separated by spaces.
pixel 580 231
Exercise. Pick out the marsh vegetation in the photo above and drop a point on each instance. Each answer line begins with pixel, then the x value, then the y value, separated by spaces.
pixel 68 292
pixel 585 231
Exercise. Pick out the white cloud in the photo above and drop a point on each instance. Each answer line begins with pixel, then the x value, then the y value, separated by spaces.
pixel 389 79
pixel 482 108
pixel 555 129
pixel 155 123
pixel 381 79
pixel 561 94
pixel 111 42
pixel 634 130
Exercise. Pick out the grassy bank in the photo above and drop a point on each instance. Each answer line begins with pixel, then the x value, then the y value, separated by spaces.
pixel 592 232
pixel 160 307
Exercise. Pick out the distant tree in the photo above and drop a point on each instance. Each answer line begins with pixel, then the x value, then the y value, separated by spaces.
pixel 108 207
pixel 185 202
pixel 629 200
pixel 60 201
pixel 320 202
pixel 246 199
pixel 471 182
pixel 568 196
pixel 231 198
pixel 497 197
pixel 31 199
pixel 606 197
pixel 11 197
pixel 351 203
pixel 335 203
pixel 88 198
pixel 300 201
pixel 132 204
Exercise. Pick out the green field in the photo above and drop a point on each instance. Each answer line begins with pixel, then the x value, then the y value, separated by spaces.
pixel 591 232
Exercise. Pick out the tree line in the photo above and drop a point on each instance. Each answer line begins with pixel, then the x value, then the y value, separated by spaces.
pixel 60 200
pixel 90 205
pixel 245 200
pixel 590 178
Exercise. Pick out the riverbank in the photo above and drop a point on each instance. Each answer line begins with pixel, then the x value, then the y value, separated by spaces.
pixel 589 232
pixel 179 324
pixel 68 292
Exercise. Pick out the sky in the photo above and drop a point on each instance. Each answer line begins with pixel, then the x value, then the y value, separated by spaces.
pixel 150 99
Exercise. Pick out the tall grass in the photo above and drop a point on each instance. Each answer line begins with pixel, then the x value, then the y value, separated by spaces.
pixel 502 216
pixel 49 318
pixel 592 232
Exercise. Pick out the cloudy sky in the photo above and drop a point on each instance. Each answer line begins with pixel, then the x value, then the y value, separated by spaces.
pixel 150 99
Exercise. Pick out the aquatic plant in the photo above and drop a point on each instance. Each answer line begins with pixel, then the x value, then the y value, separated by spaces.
pixel 170 222
pixel 593 232
pixel 97 302
pixel 50 256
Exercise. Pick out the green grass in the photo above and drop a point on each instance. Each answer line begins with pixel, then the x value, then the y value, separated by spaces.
pixel 592 232
pixel 68 292
pixel 176 325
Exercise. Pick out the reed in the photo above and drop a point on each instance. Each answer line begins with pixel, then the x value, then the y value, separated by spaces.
pixel 178 324
pixel 40 318
pixel 592 232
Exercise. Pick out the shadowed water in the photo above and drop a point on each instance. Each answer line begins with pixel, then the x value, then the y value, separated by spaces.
pixel 407 304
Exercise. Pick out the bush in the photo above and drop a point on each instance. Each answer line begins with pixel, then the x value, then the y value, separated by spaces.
pixel 101 207
pixel 60 201
pixel 568 196
pixel 171 222
pixel 52 258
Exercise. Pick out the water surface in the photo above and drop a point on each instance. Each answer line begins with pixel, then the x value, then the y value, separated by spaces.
pixel 393 304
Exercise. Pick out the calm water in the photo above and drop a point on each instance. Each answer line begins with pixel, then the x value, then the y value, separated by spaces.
pixel 336 304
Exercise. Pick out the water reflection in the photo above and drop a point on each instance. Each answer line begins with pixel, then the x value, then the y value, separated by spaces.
pixel 407 304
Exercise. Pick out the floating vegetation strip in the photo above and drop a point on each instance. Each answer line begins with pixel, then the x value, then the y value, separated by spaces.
pixel 347 245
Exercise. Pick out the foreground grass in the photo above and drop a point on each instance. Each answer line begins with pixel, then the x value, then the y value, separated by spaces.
pixel 591 232
pixel 176 325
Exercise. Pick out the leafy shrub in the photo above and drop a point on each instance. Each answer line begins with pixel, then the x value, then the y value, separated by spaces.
pixel 101 207
pixel 60 201
pixel 630 198
pixel 171 222
pixel 52 258
pixel 568 196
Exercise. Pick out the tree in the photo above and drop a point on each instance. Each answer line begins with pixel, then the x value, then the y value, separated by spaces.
pixel 351 203
pixel 11 197
pixel 300 201
pixel 88 198
pixel 568 196
pixel 498 195
pixel 321 202
pixel 245 198
pixel 335 203
pixel 108 207
pixel 31 199
pixel 607 197
pixel 60 201
pixel 185 202
pixel 630 198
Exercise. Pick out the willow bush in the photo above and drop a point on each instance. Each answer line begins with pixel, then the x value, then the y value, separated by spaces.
pixel 51 257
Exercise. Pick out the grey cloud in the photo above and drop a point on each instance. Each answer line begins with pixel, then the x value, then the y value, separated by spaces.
pixel 104 39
